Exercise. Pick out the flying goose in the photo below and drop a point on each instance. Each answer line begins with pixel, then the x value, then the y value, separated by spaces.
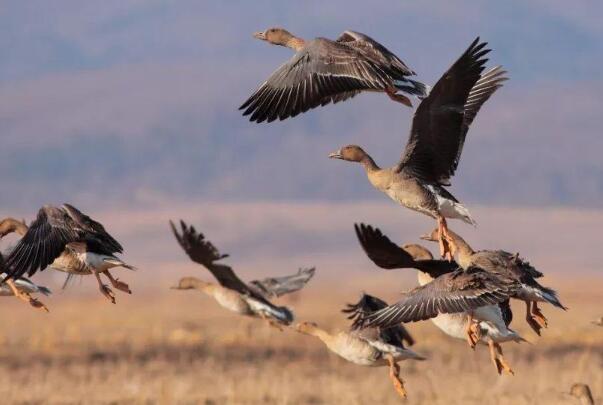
pixel 231 293
pixel 434 147
pixel 387 255
pixel 21 288
pixel 324 71
pixel 370 346
pixel 507 265
pixel 67 240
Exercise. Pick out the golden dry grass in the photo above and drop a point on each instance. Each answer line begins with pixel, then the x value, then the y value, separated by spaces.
pixel 179 347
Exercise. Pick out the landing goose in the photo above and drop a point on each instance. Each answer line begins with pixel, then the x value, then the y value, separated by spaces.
pixel 231 293
pixel 370 346
pixel 436 141
pixel 324 71
pixel 510 266
pixel 66 239
pixel 385 254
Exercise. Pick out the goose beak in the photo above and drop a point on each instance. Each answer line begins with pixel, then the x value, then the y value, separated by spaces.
pixel 336 155
pixel 259 35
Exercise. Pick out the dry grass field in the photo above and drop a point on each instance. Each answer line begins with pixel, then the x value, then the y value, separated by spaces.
pixel 178 347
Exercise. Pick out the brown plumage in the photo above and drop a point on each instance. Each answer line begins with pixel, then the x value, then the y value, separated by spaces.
pixel 511 266
pixel 247 299
pixel 436 140
pixel 324 71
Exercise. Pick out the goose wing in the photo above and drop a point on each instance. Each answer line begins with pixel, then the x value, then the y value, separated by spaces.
pixel 49 234
pixel 394 335
pixel 272 287
pixel 202 251
pixel 459 291
pixel 322 72
pixel 375 51
pixel 441 121
pixel 387 255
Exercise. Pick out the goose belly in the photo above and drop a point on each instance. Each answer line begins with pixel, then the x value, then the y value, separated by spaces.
pixel 355 350
pixel 490 320
pixel 232 301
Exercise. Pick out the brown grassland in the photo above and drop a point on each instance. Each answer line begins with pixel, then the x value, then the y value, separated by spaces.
pixel 179 347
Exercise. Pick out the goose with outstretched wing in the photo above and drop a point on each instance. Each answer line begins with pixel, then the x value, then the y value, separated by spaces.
pixel 231 292
pixel 435 143
pixel 65 239
pixel 324 71
pixel 444 289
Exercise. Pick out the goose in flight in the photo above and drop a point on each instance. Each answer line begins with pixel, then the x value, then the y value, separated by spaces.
pixel 21 288
pixel 324 71
pixel 373 347
pixel 251 299
pixel 387 255
pixel 508 265
pixel 433 150
pixel 68 240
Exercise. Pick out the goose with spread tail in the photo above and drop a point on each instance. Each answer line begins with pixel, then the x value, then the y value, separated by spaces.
pixel 65 239
pixel 507 265
pixel 369 346
pixel 323 71
pixel 387 255
pixel 251 299
pixel 434 147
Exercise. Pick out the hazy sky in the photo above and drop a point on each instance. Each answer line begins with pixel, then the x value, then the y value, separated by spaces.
pixel 124 101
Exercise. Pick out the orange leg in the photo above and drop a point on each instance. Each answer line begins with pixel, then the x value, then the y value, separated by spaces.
pixel 538 316
pixel 22 295
pixel 535 323
pixel 391 92
pixel 120 285
pixel 473 331
pixel 502 361
pixel 394 375
pixel 105 290
pixel 446 246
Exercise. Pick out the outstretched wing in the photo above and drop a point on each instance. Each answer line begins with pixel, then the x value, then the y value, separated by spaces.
pixel 48 235
pixel 368 304
pixel 320 73
pixel 206 254
pixel 459 291
pixel 387 255
pixel 272 287
pixel 443 118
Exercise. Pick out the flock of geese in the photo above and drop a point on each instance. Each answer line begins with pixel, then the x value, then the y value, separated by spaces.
pixel 466 293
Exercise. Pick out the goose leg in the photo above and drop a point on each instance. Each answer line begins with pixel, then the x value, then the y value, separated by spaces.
pixel 494 357
pixel 534 324
pixel 120 285
pixel 473 331
pixel 391 92
pixel 505 366
pixel 446 246
pixel 25 296
pixel 104 289
pixel 394 375
pixel 538 316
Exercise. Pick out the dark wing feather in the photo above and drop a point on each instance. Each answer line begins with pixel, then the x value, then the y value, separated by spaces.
pixel 387 255
pixel 272 287
pixel 206 254
pixel 368 304
pixel 44 241
pixel 507 314
pixel 454 292
pixel 442 119
pixel 94 229
pixel 320 73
